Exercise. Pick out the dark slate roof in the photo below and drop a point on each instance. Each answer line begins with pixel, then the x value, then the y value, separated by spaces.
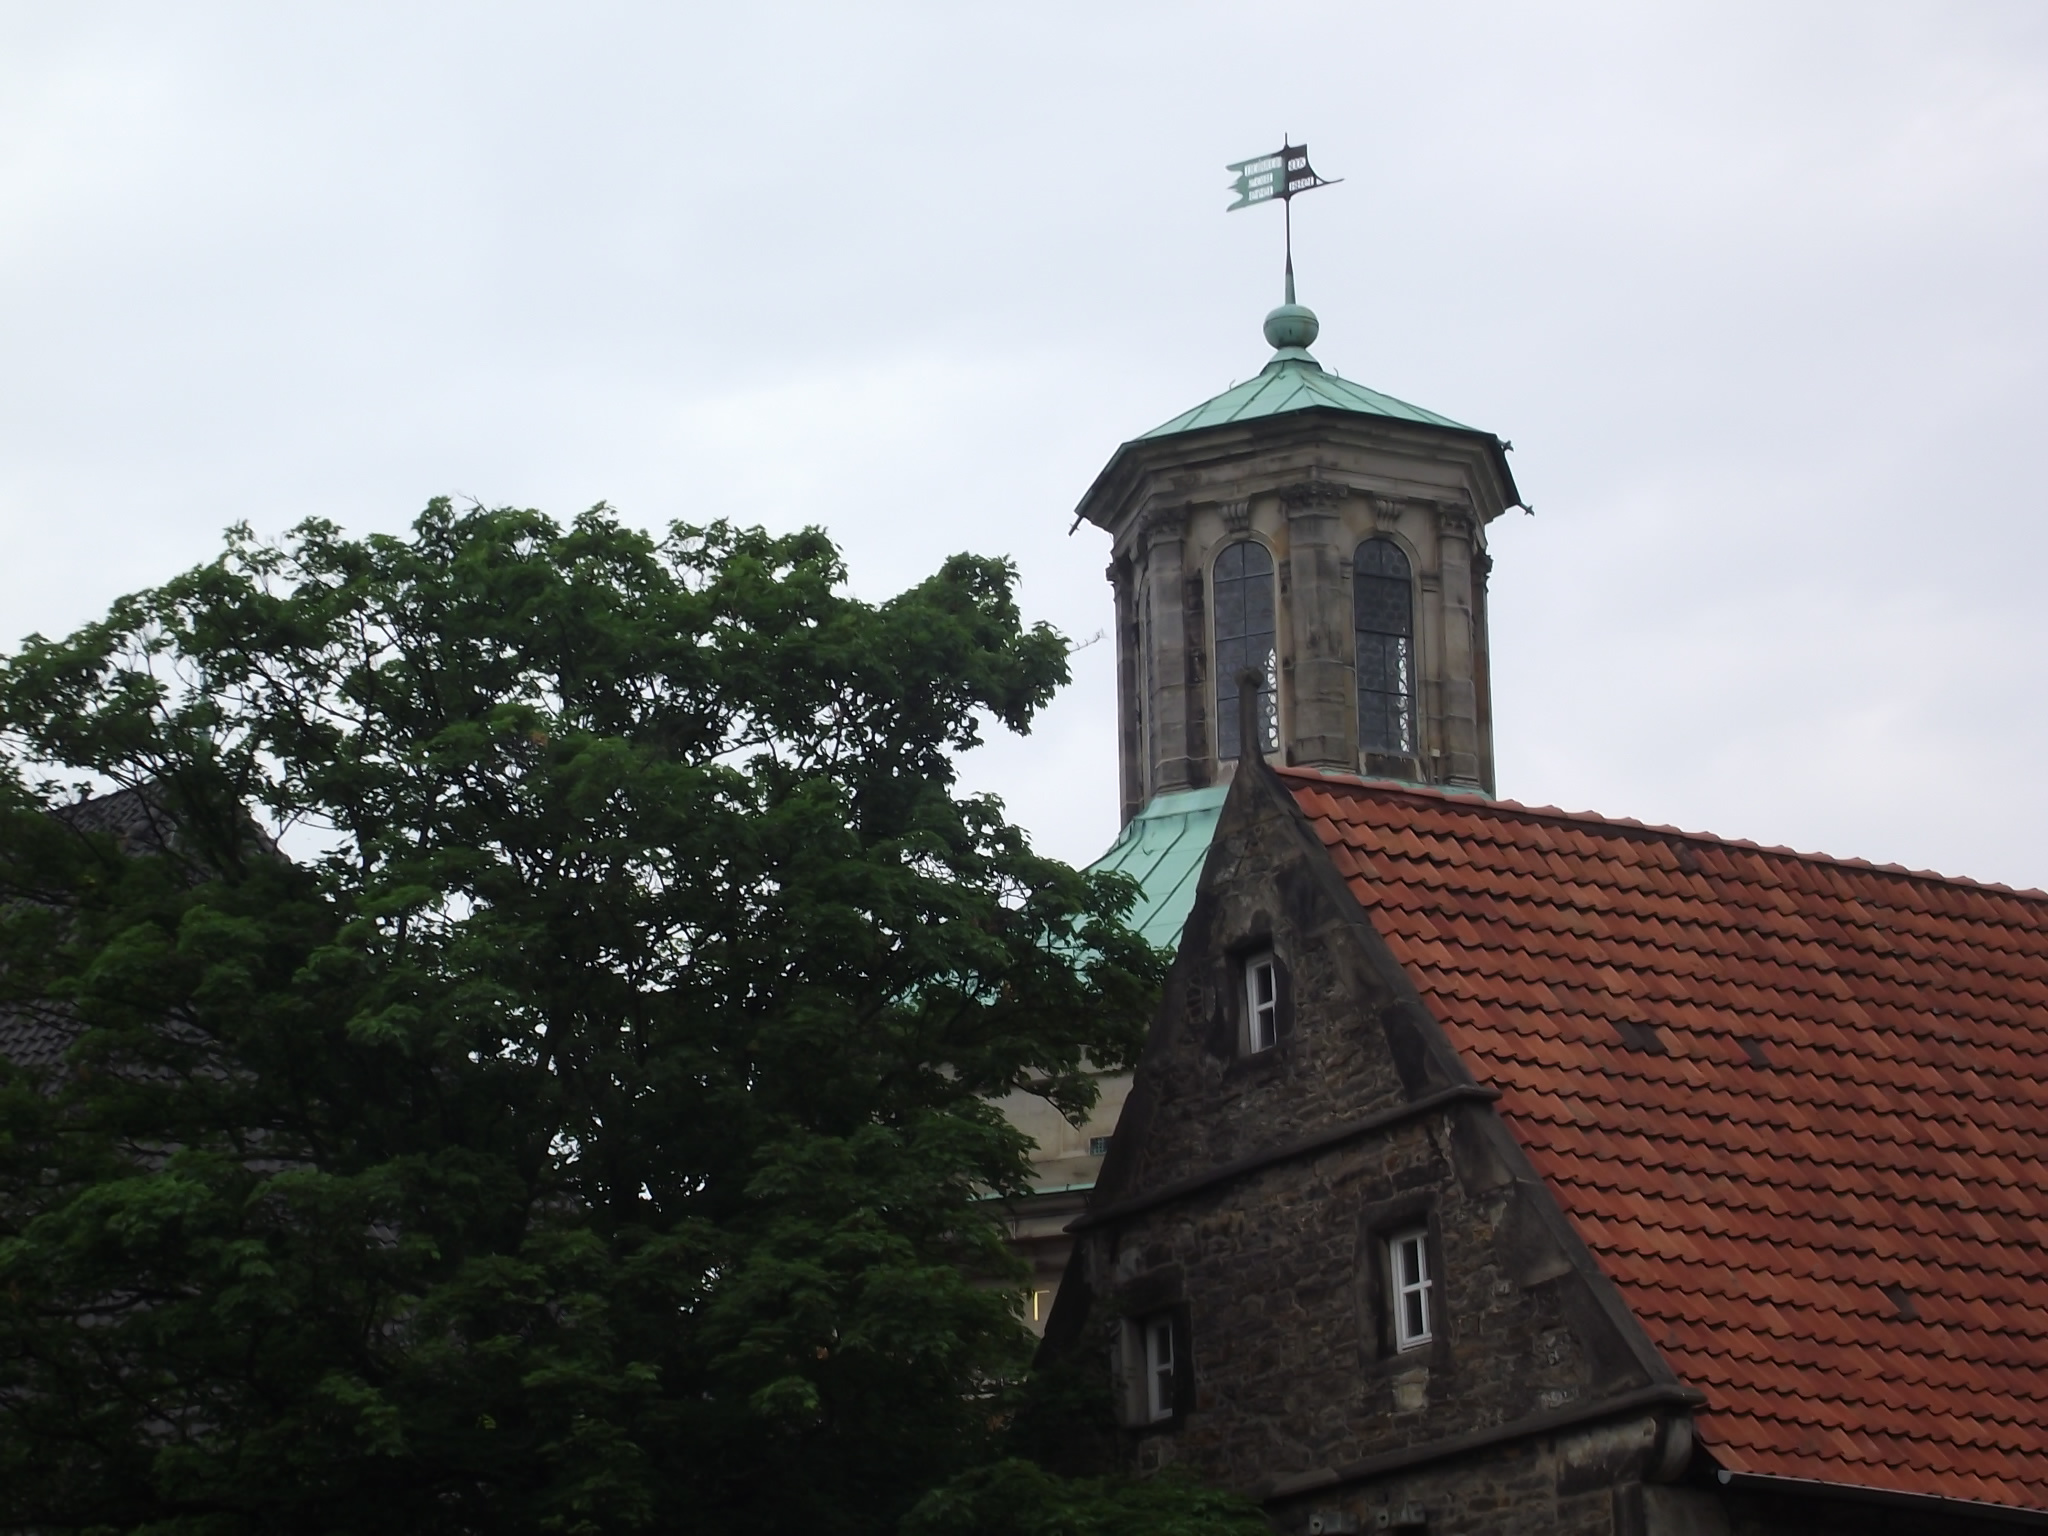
pixel 1797 1107
pixel 132 816
pixel 35 1041
pixel 38 1039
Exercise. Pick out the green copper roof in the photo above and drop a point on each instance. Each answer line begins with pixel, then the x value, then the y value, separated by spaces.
pixel 1295 381
pixel 1292 380
pixel 1162 849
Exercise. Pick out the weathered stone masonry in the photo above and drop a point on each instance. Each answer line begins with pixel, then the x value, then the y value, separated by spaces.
pixel 1254 1194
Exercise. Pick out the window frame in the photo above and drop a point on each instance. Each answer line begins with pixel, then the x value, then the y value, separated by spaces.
pixel 1401 1289
pixel 1226 717
pixel 1161 1367
pixel 1262 963
pixel 1157 1389
pixel 1406 644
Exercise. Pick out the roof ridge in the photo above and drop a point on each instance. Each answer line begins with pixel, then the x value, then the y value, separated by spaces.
pixel 1469 800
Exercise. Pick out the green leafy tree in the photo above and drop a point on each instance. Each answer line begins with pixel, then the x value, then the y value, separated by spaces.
pixel 527 1053
pixel 1020 1498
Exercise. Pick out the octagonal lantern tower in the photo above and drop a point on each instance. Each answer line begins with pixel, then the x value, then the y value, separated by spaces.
pixel 1319 534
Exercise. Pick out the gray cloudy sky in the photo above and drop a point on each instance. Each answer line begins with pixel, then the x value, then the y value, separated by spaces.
pixel 1756 290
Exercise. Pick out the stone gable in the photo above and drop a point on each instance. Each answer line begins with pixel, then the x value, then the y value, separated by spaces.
pixel 1249 1198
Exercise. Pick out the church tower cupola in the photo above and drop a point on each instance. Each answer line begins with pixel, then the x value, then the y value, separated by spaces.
pixel 1330 539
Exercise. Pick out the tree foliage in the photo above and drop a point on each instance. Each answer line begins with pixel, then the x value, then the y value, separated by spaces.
pixel 1020 1498
pixel 536 1073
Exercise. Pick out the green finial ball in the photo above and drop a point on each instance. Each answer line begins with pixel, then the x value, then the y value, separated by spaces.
pixel 1291 325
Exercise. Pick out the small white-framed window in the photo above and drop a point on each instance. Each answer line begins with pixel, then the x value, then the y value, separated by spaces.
pixel 1261 1003
pixel 1408 1288
pixel 1159 1367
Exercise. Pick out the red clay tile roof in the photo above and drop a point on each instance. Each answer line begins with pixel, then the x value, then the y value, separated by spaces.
pixel 1798 1107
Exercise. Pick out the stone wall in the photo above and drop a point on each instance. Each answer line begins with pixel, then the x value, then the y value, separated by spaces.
pixel 1283 1278
pixel 1578 1483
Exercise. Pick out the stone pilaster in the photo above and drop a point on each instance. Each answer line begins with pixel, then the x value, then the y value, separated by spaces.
pixel 1167 661
pixel 1130 725
pixel 1482 664
pixel 1321 722
pixel 1459 697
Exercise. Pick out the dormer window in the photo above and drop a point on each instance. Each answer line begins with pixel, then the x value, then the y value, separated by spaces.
pixel 1409 1287
pixel 1261 1003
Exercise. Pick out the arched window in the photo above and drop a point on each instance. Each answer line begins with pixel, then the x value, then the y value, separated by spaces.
pixel 1383 616
pixel 1244 639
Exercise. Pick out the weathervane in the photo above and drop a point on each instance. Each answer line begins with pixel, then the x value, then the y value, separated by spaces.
pixel 1281 174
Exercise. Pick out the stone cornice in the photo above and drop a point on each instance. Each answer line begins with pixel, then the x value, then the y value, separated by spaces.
pixel 1135 472
pixel 1384 1120
pixel 1673 1396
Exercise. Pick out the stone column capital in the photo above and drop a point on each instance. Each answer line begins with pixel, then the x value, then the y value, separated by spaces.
pixel 1456 523
pixel 1161 522
pixel 1313 494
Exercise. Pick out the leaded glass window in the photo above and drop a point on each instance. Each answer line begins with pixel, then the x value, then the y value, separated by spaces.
pixel 1244 641
pixel 1383 615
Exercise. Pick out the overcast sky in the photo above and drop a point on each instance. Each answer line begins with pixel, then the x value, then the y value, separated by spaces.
pixel 1756 291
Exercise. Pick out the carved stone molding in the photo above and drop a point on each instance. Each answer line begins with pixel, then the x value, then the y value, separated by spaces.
pixel 1456 523
pixel 1386 513
pixel 1312 492
pixel 1161 520
pixel 1237 516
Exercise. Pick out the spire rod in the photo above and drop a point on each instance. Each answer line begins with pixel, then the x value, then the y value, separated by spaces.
pixel 1289 206
pixel 1287 209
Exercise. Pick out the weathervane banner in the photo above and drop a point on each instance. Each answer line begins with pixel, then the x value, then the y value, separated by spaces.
pixel 1281 174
